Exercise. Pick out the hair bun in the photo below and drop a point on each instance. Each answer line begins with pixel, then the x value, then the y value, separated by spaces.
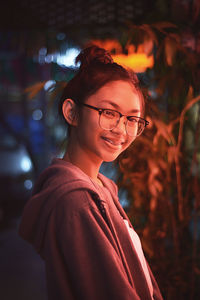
pixel 93 54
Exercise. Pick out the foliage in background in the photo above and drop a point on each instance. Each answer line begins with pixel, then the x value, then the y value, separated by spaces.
pixel 161 171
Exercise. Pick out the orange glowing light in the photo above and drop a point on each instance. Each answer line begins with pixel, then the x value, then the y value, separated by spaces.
pixel 138 61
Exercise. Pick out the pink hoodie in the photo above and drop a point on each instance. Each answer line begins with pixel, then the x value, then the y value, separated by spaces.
pixel 77 227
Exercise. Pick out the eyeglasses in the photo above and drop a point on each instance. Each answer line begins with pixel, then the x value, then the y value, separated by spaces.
pixel 109 119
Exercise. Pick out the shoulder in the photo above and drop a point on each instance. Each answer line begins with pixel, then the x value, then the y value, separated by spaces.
pixel 77 200
pixel 64 170
pixel 64 185
pixel 62 177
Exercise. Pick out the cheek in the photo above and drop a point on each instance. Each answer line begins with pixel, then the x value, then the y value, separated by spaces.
pixel 129 142
pixel 88 126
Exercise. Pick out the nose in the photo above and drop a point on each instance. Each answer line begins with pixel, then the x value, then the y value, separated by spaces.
pixel 121 126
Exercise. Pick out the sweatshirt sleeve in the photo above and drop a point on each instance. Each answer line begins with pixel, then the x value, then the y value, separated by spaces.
pixel 81 256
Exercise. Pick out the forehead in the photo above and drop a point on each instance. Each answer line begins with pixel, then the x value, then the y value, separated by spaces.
pixel 117 94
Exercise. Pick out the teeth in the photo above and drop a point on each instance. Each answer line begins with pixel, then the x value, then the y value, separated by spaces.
pixel 113 143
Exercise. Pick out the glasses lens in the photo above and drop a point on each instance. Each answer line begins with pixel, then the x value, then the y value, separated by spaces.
pixel 109 119
pixel 135 126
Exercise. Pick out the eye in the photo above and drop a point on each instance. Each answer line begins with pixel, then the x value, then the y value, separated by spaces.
pixel 133 119
pixel 109 114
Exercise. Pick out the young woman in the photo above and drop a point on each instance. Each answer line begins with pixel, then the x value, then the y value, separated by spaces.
pixel 74 218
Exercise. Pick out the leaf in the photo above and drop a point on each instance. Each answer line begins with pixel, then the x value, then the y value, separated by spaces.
pixel 162 25
pixel 149 33
pixel 176 37
pixel 162 164
pixel 171 128
pixel 154 185
pixel 33 90
pixel 190 93
pixel 148 45
pixel 58 89
pixel 162 130
pixel 109 45
pixel 170 50
pixel 182 117
pixel 171 154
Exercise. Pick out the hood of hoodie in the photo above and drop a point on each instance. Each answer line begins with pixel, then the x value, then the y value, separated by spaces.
pixel 58 179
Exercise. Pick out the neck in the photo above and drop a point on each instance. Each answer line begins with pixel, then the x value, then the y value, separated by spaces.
pixel 86 162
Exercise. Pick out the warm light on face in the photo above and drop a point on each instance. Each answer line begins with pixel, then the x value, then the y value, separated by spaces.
pixel 102 144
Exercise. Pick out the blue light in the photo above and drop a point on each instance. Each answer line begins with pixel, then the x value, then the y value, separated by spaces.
pixel 37 115
pixel 49 85
pixel 68 59
pixel 61 36
pixel 43 51
pixel 28 184
pixel 26 164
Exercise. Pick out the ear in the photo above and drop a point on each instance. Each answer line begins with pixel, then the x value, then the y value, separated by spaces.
pixel 69 112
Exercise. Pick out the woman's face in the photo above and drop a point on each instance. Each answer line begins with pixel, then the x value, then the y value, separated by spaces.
pixel 105 145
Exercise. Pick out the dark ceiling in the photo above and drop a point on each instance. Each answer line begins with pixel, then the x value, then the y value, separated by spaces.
pixel 61 14
pixel 80 19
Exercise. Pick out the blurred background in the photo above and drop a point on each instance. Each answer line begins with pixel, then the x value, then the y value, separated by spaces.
pixel 158 177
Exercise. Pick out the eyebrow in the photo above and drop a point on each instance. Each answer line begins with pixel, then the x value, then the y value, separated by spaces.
pixel 117 106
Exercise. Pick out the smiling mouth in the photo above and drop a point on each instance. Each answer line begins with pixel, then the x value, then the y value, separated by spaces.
pixel 114 143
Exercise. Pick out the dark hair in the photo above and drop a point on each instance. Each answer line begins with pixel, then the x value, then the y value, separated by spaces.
pixel 96 69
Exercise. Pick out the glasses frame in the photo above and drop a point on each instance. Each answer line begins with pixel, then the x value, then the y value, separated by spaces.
pixel 101 110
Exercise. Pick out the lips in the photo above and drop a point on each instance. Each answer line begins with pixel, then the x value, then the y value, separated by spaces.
pixel 113 142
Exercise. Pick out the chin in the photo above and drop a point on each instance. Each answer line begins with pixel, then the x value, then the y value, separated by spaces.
pixel 110 157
